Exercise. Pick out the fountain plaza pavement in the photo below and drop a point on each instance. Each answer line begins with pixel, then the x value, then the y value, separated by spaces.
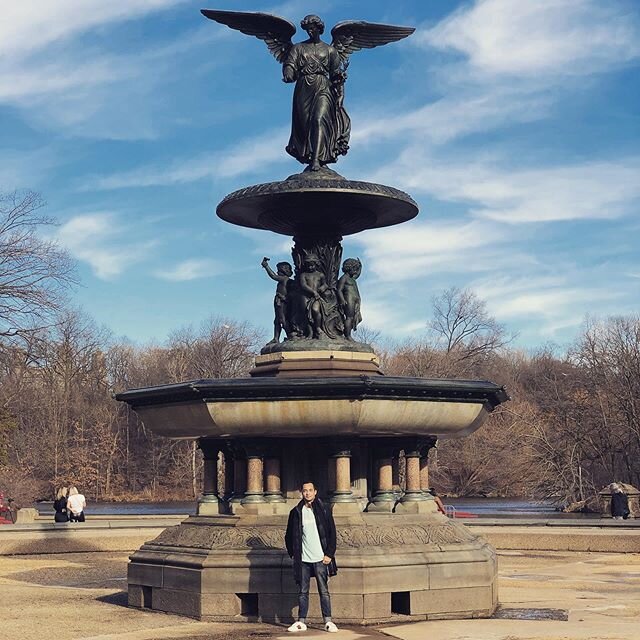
pixel 583 595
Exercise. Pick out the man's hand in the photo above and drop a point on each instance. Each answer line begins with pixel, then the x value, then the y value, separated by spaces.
pixel 326 560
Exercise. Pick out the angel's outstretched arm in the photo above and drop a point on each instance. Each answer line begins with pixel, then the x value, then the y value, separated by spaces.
pixel 289 66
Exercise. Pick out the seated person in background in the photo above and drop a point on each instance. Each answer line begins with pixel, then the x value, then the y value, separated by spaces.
pixel 439 502
pixel 60 506
pixel 76 504
pixel 619 503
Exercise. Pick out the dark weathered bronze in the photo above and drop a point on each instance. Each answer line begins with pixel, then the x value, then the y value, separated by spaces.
pixel 283 278
pixel 317 203
pixel 315 308
pixel 349 296
pixel 320 128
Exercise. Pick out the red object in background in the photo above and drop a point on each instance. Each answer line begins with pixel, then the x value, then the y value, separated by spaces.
pixel 5 510
pixel 465 514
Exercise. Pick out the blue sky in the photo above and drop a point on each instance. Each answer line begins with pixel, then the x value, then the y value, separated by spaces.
pixel 513 123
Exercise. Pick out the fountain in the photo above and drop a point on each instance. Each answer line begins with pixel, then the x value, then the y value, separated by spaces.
pixel 316 405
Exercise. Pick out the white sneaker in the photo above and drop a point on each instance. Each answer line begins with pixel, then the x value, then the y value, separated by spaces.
pixel 330 627
pixel 298 626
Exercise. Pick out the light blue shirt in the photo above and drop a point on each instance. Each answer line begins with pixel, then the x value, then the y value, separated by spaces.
pixel 311 546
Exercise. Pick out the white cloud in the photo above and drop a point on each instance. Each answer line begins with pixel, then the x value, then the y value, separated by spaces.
pixel 59 70
pixel 394 320
pixel 248 156
pixel 83 96
pixel 454 116
pixel 557 302
pixel 413 249
pixel 43 78
pixel 517 56
pixel 591 190
pixel 99 239
pixel 557 37
pixel 190 270
pixel 24 169
pixel 30 26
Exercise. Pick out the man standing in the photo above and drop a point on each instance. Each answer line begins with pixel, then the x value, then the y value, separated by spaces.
pixel 311 542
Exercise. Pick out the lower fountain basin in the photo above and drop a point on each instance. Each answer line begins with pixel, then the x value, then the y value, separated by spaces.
pixel 304 407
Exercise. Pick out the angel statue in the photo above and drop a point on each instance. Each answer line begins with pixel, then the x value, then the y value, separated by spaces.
pixel 320 127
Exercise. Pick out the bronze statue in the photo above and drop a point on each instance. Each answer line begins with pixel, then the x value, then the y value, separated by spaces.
pixel 314 287
pixel 349 296
pixel 320 127
pixel 282 277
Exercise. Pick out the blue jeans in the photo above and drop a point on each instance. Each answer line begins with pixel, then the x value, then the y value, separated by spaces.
pixel 321 572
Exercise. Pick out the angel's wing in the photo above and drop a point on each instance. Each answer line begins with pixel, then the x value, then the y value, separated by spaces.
pixel 351 35
pixel 275 31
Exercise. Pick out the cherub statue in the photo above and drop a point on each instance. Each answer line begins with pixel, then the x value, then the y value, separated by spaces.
pixel 321 128
pixel 282 277
pixel 314 287
pixel 349 296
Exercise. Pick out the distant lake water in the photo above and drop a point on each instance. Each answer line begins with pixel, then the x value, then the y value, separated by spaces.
pixel 486 507
pixel 513 507
pixel 129 508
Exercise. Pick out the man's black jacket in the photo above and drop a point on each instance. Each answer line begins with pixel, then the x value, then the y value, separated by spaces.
pixel 326 531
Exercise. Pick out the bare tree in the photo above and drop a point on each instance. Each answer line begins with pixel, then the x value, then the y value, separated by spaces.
pixel 222 348
pixel 34 272
pixel 462 324
pixel 463 330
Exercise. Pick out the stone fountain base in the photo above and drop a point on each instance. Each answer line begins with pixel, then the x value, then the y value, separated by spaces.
pixel 235 568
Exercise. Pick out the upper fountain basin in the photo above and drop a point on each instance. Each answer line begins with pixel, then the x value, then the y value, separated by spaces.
pixel 320 202
pixel 311 407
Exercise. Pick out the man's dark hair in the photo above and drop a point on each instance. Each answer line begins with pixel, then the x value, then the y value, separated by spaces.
pixel 307 482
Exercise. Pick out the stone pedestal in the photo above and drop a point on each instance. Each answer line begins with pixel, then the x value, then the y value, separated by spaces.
pixel 391 567
pixel 326 362
pixel 400 561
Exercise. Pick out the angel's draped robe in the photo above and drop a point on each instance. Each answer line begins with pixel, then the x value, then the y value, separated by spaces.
pixel 316 99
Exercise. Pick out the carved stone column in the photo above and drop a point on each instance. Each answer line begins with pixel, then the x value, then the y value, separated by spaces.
pixel 209 502
pixel 383 467
pixel 427 445
pixel 412 491
pixel 229 472
pixel 395 474
pixel 341 462
pixel 238 484
pixel 273 492
pixel 254 493
pixel 424 473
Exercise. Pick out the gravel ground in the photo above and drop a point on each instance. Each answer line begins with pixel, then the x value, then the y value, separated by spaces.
pixel 544 596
